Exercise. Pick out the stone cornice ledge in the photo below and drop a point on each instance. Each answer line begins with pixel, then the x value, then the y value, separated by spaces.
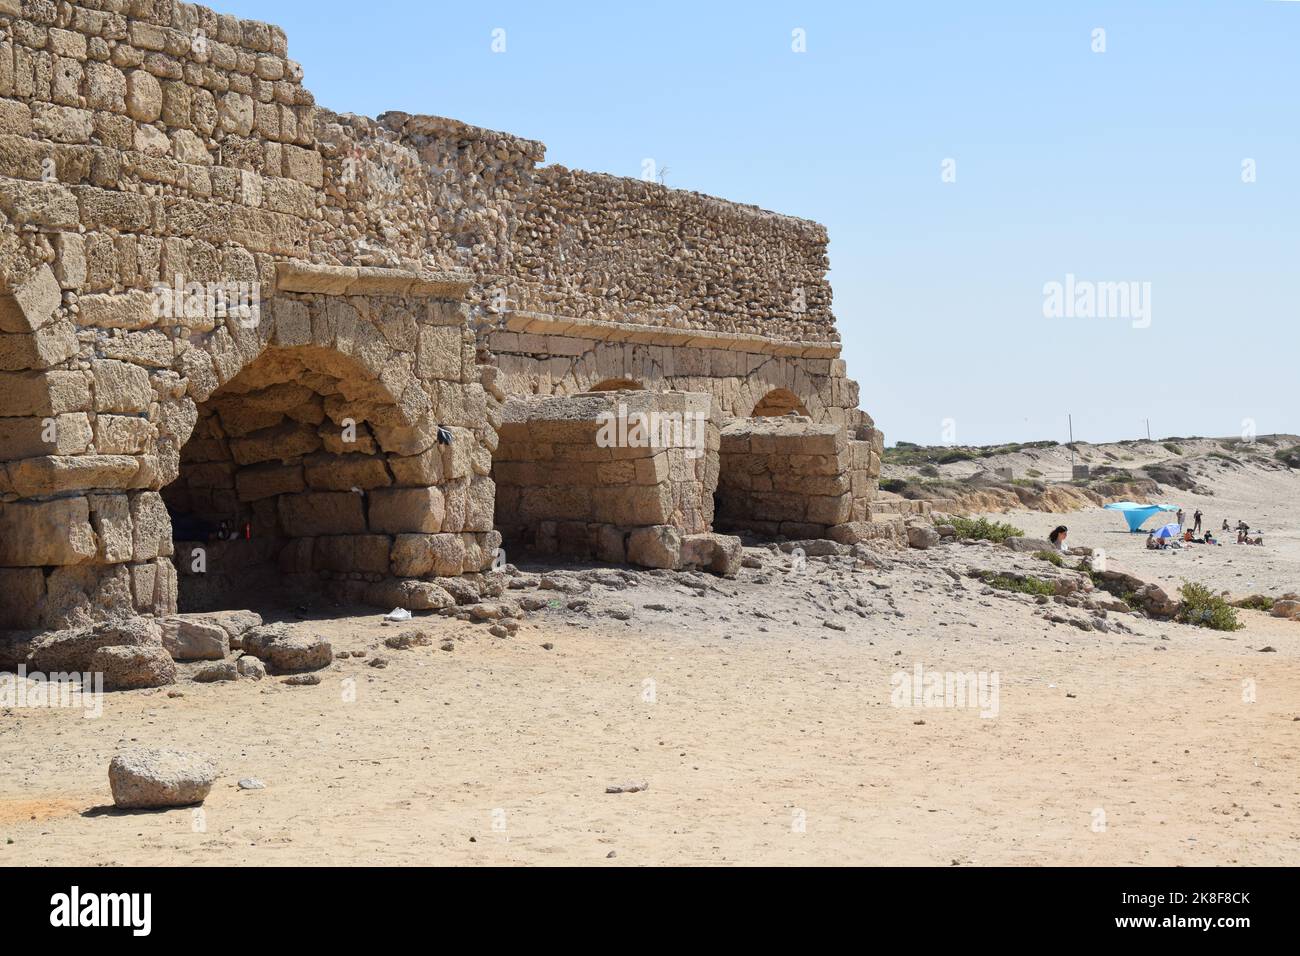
pixel 540 323
pixel 295 275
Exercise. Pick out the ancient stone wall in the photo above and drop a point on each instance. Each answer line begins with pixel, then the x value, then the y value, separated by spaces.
pixel 581 474
pixel 201 272
pixel 791 477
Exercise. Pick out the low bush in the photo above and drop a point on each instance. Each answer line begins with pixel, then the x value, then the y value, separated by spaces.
pixel 1204 608
pixel 1026 585
pixel 982 529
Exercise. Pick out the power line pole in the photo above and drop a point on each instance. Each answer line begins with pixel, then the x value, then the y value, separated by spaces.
pixel 1148 429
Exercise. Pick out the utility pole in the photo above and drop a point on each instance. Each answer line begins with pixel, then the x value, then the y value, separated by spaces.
pixel 1148 429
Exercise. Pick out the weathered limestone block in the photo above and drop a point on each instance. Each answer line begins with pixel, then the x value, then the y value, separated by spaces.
pixel 345 472
pixel 31 304
pixel 42 349
pixel 122 435
pixel 428 555
pixel 403 510
pixel 361 554
pixel 258 482
pixel 43 393
pixel 322 513
pixel 54 474
pixel 66 651
pixel 121 387
pixel 133 668
pixel 655 547
pixel 32 437
pixel 46 533
pixel 193 638
pixel 143 779
pixel 133 310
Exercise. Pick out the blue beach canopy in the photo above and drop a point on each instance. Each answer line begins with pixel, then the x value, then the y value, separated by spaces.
pixel 1174 530
pixel 1136 514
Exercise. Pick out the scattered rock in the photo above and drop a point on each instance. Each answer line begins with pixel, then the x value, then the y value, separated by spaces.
pixel 71 650
pixel 133 668
pixel 250 667
pixel 302 680
pixel 407 640
pixel 215 673
pixel 188 639
pixel 152 779
pixel 251 783
pixel 634 787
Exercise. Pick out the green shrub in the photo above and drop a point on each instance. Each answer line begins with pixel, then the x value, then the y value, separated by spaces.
pixel 1204 608
pixel 928 471
pixel 1289 456
pixel 1051 557
pixel 1033 473
pixel 1256 602
pixel 1172 448
pixel 894 486
pixel 1026 585
pixel 982 529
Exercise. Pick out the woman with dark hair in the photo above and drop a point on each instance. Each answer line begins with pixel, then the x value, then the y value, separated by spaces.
pixel 1057 538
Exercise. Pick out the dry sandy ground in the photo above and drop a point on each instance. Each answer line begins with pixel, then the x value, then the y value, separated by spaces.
pixel 761 717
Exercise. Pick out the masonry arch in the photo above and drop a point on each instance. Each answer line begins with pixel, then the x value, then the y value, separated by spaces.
pixel 779 402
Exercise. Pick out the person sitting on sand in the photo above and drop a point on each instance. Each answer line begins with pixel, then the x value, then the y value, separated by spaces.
pixel 1226 526
pixel 1209 538
pixel 1152 543
pixel 1057 538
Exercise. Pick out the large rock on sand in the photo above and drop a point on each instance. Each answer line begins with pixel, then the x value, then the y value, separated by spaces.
pixel 133 668
pixel 152 779
pixel 71 650
pixel 286 653
pixel 190 639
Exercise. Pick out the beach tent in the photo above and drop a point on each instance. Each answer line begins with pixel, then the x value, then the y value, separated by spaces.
pixel 1174 530
pixel 1136 514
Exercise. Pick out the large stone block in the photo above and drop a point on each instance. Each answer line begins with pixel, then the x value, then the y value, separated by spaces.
pixel 404 510
pixel 321 513
pixel 188 638
pixel 121 387
pixel 42 349
pixel 32 303
pixel 46 533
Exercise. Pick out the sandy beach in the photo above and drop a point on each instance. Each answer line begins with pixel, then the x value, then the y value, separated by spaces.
pixel 765 736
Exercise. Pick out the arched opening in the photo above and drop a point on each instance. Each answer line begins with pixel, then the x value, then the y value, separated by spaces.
pixel 277 483
pixel 618 385
pixel 779 402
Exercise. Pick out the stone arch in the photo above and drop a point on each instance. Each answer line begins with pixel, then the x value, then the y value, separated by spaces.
pixel 86 530
pixel 779 402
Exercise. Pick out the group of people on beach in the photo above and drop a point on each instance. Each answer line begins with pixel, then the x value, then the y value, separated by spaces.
pixel 1193 535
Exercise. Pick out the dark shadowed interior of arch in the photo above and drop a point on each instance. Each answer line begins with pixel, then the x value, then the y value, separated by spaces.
pixel 618 385
pixel 778 402
pixel 285 451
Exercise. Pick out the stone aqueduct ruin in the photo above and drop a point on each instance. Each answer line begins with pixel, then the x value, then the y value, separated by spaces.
pixel 369 347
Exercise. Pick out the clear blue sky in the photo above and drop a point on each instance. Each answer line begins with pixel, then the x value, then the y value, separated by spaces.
pixel 1117 166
